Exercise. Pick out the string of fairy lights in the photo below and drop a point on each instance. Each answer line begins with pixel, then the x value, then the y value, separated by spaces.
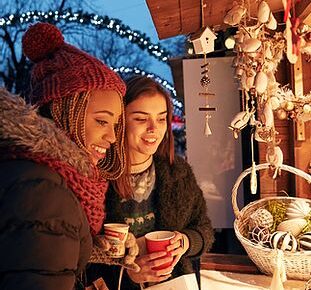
pixel 103 22
pixel 178 107
pixel 84 18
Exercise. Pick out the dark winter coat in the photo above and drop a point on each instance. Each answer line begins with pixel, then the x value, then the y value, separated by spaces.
pixel 180 206
pixel 45 240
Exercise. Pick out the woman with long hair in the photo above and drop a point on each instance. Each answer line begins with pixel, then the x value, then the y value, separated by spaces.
pixel 158 191
pixel 57 156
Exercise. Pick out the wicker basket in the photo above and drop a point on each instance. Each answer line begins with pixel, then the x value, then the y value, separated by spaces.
pixel 298 264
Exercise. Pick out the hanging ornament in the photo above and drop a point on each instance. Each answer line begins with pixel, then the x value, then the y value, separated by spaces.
pixel 253 181
pixel 289 106
pixel 204 82
pixel 307 109
pixel 239 122
pixel 281 114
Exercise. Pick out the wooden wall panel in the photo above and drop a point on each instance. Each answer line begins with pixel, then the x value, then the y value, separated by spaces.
pixel 302 149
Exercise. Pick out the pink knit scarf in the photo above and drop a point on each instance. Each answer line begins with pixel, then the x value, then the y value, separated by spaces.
pixel 90 191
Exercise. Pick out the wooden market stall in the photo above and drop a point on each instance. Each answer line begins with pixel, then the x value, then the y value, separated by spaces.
pixel 188 17
pixel 184 17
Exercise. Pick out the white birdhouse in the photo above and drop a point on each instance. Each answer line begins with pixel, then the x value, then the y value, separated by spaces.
pixel 203 40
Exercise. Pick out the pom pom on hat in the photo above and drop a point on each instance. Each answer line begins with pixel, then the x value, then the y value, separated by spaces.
pixel 40 40
pixel 62 70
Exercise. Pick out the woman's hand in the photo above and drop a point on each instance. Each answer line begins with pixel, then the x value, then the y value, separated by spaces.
pixel 147 263
pixel 179 245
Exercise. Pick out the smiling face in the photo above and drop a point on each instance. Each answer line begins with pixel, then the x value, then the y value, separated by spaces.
pixel 146 125
pixel 102 114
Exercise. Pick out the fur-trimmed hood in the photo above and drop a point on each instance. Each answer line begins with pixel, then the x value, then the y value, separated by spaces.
pixel 23 128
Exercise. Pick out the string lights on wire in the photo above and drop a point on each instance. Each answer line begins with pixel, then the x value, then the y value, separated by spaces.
pixel 84 18
pixel 103 22
pixel 178 106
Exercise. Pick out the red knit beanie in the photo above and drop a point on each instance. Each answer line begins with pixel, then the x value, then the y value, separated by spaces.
pixel 60 69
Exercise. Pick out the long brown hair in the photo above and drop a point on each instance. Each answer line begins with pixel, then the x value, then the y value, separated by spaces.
pixel 135 87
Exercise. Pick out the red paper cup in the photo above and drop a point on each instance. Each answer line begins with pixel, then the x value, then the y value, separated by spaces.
pixel 157 242
pixel 116 234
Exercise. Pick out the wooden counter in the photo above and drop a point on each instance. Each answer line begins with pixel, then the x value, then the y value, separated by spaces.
pixel 230 263
pixel 224 271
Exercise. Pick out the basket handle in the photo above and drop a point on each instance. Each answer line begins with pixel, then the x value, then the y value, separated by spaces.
pixel 257 168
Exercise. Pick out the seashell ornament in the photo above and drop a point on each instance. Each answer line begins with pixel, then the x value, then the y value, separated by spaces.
pixel 293 226
pixel 268 51
pixel 275 156
pixel 284 241
pixel 250 45
pixel 263 12
pixel 306 108
pixel 268 115
pixel 261 82
pixel 289 106
pixel 275 103
pixel 304 241
pixel 281 114
pixel 239 72
pixel 239 122
pixel 298 208
pixel 272 23
pixel 235 14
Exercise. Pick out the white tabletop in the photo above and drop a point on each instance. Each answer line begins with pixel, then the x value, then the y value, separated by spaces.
pixel 215 280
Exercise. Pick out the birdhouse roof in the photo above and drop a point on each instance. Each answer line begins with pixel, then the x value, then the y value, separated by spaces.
pixel 202 32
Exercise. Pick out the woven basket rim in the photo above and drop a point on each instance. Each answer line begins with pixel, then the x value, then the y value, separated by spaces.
pixel 258 167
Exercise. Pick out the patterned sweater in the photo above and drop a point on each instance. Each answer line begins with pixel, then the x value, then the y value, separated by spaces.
pixel 178 205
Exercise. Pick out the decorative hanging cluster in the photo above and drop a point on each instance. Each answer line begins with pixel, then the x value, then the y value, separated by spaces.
pixel 205 81
pixel 100 22
pixel 259 51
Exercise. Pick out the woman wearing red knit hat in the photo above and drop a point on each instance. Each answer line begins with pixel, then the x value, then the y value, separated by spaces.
pixel 56 157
